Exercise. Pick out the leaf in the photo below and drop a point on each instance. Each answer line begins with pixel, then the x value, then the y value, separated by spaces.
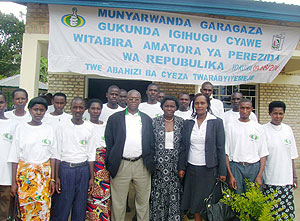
pixel 11 36
pixel 251 205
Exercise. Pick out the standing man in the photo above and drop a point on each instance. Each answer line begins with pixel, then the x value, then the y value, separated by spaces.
pixel 75 169
pixel 184 107
pixel 49 99
pixel 122 98
pixel 20 99
pixel 216 105
pixel 54 118
pixel 160 96
pixel 111 107
pixel 130 150
pixel 59 102
pixel 152 106
pixel 234 113
pixel 7 129
pixel 246 149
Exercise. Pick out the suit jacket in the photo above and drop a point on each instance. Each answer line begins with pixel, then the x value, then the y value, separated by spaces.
pixel 115 136
pixel 214 145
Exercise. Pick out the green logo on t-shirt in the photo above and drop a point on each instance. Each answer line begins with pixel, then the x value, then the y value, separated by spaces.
pixel 46 142
pixel 253 137
pixel 83 142
pixel 7 136
pixel 287 141
pixel 103 138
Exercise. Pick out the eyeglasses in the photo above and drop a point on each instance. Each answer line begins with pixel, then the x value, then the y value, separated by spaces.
pixel 134 99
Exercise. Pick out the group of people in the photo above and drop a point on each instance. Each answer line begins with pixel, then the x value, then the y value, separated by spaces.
pixel 172 150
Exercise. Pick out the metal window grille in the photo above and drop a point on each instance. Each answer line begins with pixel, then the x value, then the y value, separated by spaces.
pixel 223 93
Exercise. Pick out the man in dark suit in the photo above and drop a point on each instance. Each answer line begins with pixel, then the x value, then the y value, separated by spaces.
pixel 130 149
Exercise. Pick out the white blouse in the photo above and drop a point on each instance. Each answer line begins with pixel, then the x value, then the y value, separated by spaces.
pixel 169 141
pixel 197 148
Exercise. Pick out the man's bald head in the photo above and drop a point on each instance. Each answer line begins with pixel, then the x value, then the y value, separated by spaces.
pixel 133 91
pixel 133 101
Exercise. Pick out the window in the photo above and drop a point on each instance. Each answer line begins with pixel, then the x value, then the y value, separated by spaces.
pixel 223 93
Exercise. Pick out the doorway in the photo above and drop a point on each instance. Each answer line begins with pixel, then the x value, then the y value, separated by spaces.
pixel 98 87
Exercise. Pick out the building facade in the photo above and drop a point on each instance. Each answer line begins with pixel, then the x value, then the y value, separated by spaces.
pixel 286 87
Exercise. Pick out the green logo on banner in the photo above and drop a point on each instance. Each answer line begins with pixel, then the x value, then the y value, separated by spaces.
pixel 73 20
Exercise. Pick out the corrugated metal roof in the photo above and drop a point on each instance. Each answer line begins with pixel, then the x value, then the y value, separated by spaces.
pixel 13 81
pixel 239 8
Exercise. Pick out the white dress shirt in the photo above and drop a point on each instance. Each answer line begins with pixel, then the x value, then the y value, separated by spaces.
pixel 133 142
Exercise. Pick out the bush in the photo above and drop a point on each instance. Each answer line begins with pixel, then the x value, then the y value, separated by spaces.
pixel 252 205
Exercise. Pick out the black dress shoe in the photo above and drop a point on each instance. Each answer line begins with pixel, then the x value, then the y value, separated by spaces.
pixel 134 218
pixel 128 209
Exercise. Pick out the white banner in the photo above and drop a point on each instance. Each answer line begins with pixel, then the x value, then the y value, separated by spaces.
pixel 173 48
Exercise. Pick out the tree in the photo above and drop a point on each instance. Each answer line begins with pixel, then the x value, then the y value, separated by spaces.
pixel 44 70
pixel 11 35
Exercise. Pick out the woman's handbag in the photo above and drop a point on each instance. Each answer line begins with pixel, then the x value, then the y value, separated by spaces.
pixel 218 211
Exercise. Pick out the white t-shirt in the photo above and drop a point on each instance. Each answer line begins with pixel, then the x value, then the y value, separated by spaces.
pixel 76 143
pixel 217 108
pixel 106 112
pixel 54 120
pixel 197 148
pixel 232 115
pixel 50 109
pixel 152 110
pixel 86 115
pixel 11 115
pixel 100 129
pixel 184 114
pixel 33 144
pixel 133 142
pixel 282 148
pixel 7 129
pixel 245 141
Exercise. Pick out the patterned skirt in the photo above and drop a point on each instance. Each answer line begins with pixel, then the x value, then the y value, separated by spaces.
pixel 286 201
pixel 99 203
pixel 33 190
